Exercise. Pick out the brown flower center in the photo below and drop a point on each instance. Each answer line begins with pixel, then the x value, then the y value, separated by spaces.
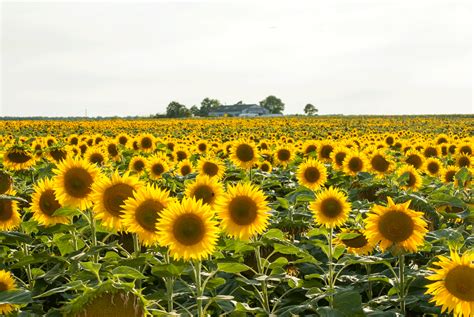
pixel 5 182
pixel 6 210
pixel 243 210
pixel 325 151
pixel 146 143
pixel 357 242
pixel 181 155
pixel 112 150
pixel 147 214
pixel 460 282
pixel 340 156
pixel 331 207
pixel 157 169
pixel 379 163
pixel 245 153
pixel 48 202
pixel 312 174
pixel 114 198
pixel 18 156
pixel 283 155
pixel 433 167
pixel 189 229
pixel 138 165
pixel 414 160
pixel 205 193
pixel 58 154
pixel 210 169
pixel 185 170
pixel 123 140
pixel 96 158
pixel 77 182
pixel 396 226
pixel 355 164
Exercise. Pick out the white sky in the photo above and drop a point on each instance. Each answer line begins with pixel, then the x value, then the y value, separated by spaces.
pixel 344 56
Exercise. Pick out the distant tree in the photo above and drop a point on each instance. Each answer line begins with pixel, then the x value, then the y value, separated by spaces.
pixel 177 110
pixel 207 105
pixel 195 110
pixel 273 104
pixel 310 110
pixel 240 102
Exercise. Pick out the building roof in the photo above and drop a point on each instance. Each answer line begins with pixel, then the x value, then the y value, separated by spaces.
pixel 233 108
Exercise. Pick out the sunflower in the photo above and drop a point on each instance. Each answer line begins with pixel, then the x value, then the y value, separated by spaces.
pixel 137 164
pixel 447 174
pixel 188 229
pixel 202 147
pixel 325 149
pixel 73 182
pixel 146 142
pixel 244 211
pixel 123 139
pixel 181 153
pixel 311 174
pixel 156 166
pixel 212 167
pixel 284 155
pixel 414 158
pixel 433 166
pixel 464 148
pixel 244 154
pixel 355 162
pixel 266 167
pixel 338 155
pixel 380 164
pixel 112 150
pixel 410 178
pixel 310 148
pixel 142 212
pixel 9 215
pixel 206 189
pixel 17 158
pixel 330 208
pixel 355 243
pixel 6 182
pixel 185 167
pixel 430 151
pixel 396 225
pixel 453 284
pixel 7 283
pixel 96 155
pixel 44 204
pixel 463 160
pixel 109 195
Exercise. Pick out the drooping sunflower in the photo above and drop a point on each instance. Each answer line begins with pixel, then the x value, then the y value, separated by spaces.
pixel 188 229
pixel 284 155
pixel 185 167
pixel 244 211
pixel 44 204
pixel 411 179
pixel 137 164
pixel 57 154
pixel 17 158
pixel 380 163
pixel 73 182
pixel 414 158
pixel 206 189
pixel 433 166
pixel 331 207
pixel 112 149
pixel 310 148
pixel 109 195
pixel 356 243
pixel 9 215
pixel 396 225
pixel 453 284
pixel 7 283
pixel 6 182
pixel 156 166
pixel 244 154
pixel 212 167
pixel 311 174
pixel 142 212
pixel 355 162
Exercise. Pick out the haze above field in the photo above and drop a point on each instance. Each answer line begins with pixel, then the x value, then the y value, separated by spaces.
pixel 347 57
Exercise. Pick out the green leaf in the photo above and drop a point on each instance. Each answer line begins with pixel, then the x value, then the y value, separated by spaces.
pixel 348 235
pixel 286 249
pixel 91 267
pixel 17 296
pixel 274 234
pixel 283 202
pixel 349 303
pixel 329 312
pixel 66 212
pixel 215 283
pixel 128 272
pixel 71 286
pixel 232 267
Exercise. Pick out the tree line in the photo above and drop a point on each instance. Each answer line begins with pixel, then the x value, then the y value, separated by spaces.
pixel 272 103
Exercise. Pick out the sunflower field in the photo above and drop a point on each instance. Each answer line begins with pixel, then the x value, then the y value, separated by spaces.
pixel 292 216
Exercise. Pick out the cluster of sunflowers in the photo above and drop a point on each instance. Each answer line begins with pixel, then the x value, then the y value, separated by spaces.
pixel 182 188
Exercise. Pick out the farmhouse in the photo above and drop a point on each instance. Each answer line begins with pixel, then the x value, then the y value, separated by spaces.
pixel 239 110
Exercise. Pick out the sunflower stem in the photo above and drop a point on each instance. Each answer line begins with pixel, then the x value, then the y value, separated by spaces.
pixel 266 304
pixel 136 254
pixel 331 268
pixel 169 283
pixel 199 290
pixel 28 267
pixel 369 284
pixel 401 280
pixel 95 257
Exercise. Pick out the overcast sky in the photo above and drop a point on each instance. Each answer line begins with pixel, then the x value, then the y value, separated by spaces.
pixel 344 56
